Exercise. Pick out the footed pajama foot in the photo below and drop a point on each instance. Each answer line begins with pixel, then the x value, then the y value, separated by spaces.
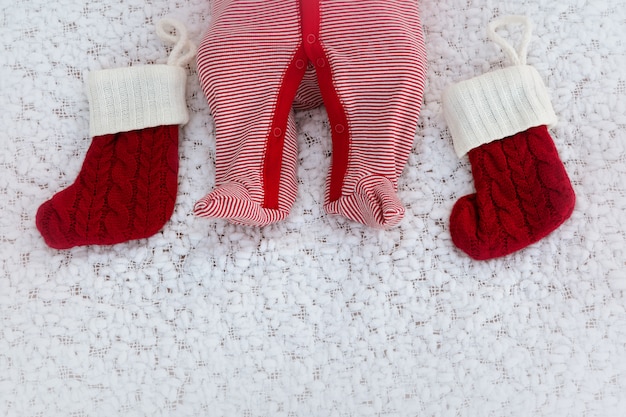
pixel 232 201
pixel 374 203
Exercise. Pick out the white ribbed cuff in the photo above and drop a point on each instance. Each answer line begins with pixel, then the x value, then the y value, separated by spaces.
pixel 496 105
pixel 133 98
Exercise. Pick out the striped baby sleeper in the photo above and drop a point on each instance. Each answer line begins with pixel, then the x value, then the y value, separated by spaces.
pixel 363 59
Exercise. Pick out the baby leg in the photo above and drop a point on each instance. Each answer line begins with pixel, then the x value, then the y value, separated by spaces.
pixel 371 63
pixel 250 66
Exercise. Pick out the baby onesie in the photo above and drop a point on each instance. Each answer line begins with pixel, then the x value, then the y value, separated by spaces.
pixel 363 59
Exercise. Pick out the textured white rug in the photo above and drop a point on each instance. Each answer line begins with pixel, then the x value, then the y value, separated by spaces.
pixel 315 316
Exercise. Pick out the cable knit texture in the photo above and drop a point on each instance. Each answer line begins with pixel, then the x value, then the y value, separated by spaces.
pixel 522 194
pixel 125 190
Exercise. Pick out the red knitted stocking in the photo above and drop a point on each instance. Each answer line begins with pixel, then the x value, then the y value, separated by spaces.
pixel 125 190
pixel 522 194
pixel 522 190
pixel 127 185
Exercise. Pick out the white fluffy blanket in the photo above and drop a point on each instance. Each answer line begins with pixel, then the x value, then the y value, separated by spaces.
pixel 315 316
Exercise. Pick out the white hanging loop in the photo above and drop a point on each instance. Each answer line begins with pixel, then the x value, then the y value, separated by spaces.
pixel 184 49
pixel 517 57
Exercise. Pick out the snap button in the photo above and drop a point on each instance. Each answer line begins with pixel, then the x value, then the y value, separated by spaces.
pixel 321 62
pixel 278 131
pixel 311 38
pixel 300 63
pixel 340 128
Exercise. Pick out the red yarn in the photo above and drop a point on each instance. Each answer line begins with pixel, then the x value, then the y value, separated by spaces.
pixel 522 194
pixel 126 189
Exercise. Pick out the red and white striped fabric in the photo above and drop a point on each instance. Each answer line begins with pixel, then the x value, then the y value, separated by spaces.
pixel 366 61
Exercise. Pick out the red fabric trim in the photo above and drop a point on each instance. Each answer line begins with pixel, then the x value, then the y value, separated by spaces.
pixel 272 164
pixel 310 10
